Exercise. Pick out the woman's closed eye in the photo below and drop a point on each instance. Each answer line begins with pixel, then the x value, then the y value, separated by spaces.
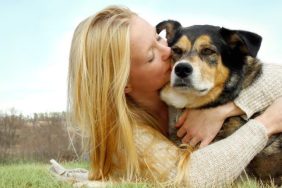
pixel 152 57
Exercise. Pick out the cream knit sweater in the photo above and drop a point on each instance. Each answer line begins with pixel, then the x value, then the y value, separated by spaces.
pixel 215 165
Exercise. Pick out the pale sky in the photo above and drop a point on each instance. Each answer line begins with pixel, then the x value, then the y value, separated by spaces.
pixel 35 39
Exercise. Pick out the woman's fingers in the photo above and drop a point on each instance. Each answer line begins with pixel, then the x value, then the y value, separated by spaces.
pixel 181 119
pixel 181 132
pixel 186 139
pixel 194 141
pixel 206 142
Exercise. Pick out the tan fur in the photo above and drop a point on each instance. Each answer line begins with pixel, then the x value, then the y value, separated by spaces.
pixel 201 41
pixel 184 43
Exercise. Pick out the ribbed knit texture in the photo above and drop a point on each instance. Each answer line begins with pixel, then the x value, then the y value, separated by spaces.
pixel 222 162
pixel 157 152
pixel 262 92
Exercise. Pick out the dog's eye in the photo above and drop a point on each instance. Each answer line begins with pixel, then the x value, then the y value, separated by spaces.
pixel 207 51
pixel 177 50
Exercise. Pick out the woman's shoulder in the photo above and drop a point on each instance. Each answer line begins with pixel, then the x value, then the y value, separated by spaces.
pixel 147 136
pixel 147 132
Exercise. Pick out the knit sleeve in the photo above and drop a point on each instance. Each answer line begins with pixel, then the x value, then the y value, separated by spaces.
pixel 262 92
pixel 214 165
pixel 219 164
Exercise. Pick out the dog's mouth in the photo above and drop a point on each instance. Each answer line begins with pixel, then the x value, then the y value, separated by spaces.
pixel 186 86
pixel 182 84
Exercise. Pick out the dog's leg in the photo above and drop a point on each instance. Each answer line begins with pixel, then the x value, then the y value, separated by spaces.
pixel 174 114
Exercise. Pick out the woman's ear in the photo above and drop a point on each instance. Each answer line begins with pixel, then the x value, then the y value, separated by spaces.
pixel 127 89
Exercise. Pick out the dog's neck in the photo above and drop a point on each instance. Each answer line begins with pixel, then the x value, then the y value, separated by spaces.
pixel 252 69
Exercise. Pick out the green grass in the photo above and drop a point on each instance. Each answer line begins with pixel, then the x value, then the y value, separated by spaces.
pixel 28 175
pixel 32 174
pixel 251 184
pixel 37 175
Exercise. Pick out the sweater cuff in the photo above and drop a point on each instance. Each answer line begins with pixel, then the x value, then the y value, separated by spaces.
pixel 258 96
pixel 253 99
pixel 260 128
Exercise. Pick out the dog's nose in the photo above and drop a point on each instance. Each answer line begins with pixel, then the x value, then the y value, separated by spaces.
pixel 183 70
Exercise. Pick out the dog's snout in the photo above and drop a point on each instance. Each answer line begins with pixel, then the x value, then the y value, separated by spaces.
pixel 183 70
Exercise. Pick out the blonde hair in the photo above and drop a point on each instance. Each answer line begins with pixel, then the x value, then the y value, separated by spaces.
pixel 98 73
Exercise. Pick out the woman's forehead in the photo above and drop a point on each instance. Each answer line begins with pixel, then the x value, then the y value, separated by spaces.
pixel 141 29
pixel 141 35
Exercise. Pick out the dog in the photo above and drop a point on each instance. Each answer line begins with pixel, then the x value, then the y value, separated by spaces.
pixel 211 66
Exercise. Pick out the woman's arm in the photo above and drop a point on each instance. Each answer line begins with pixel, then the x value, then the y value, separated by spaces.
pixel 219 164
pixel 228 157
pixel 215 165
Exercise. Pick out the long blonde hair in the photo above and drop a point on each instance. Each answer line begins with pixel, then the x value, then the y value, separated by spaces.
pixel 98 73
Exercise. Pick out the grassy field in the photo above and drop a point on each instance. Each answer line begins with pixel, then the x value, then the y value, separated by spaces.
pixel 27 175
pixel 31 175
pixel 37 175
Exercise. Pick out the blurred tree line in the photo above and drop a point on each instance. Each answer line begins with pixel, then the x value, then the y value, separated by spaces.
pixel 37 138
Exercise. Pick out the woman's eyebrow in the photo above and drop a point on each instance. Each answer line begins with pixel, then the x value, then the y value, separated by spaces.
pixel 150 46
pixel 152 41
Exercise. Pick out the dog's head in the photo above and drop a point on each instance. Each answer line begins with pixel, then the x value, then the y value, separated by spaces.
pixel 206 57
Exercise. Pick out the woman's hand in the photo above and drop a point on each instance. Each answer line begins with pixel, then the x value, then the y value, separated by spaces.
pixel 271 118
pixel 201 126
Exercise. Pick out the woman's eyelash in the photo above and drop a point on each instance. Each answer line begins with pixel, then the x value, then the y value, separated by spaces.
pixel 151 59
pixel 159 38
pixel 152 56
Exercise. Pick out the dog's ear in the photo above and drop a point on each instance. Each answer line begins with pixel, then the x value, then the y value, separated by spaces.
pixel 247 42
pixel 170 26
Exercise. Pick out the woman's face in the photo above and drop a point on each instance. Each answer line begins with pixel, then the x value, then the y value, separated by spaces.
pixel 150 58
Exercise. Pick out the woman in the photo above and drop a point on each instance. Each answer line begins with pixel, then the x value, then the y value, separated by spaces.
pixel 118 64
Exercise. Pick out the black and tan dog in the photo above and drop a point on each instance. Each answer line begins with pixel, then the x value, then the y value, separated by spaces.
pixel 211 66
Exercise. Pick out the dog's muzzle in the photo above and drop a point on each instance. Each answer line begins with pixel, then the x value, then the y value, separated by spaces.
pixel 186 78
pixel 183 70
pixel 181 75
